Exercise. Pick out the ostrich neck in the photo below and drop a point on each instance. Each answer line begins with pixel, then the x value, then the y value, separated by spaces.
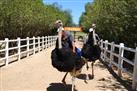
pixel 94 37
pixel 59 37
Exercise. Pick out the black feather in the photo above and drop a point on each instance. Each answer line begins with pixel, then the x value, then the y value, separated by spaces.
pixel 90 51
pixel 65 60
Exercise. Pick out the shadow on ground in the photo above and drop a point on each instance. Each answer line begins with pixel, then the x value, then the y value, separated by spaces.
pixel 85 76
pixel 109 84
pixel 100 65
pixel 59 87
pixel 113 86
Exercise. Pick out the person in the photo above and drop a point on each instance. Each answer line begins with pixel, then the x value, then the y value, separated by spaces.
pixel 67 39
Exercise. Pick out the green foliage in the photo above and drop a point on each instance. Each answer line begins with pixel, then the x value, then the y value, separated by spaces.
pixel 116 20
pixel 27 18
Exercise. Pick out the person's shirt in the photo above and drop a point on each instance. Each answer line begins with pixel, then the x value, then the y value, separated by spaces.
pixel 66 40
pixel 69 35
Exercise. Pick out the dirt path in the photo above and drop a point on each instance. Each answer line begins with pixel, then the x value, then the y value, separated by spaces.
pixel 36 73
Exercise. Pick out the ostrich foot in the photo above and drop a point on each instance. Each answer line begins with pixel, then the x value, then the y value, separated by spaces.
pixel 91 76
pixel 86 81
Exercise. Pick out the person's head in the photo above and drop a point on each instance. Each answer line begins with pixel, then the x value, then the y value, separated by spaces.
pixel 65 34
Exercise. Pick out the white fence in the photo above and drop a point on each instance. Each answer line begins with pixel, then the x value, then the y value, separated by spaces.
pixel 20 48
pixel 122 57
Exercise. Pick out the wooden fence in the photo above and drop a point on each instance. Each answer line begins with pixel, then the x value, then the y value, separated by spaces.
pixel 14 50
pixel 124 58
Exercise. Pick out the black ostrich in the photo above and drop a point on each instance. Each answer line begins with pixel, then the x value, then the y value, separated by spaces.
pixel 91 50
pixel 64 59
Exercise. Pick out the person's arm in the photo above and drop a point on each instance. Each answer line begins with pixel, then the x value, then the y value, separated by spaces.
pixel 73 42
pixel 73 46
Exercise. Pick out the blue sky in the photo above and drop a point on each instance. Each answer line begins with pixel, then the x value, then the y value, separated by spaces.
pixel 76 6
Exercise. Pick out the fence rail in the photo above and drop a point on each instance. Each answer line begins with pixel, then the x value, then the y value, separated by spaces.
pixel 16 49
pixel 124 58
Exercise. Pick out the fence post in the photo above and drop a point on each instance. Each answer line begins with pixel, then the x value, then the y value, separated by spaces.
pixel 34 49
pixel 42 43
pixel 49 41
pixel 134 83
pixel 46 42
pixel 38 44
pixel 111 54
pixel 7 51
pixel 105 51
pixel 27 46
pixel 101 46
pixel 19 44
pixel 54 40
pixel 120 61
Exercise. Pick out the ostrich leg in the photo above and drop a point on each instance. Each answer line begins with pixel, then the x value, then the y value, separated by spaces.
pixel 63 80
pixel 87 78
pixel 73 83
pixel 92 64
pixel 87 65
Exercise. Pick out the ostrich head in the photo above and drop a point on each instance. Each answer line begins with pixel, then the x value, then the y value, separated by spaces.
pixel 58 24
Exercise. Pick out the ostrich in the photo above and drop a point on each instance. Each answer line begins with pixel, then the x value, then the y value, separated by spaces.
pixel 64 58
pixel 91 50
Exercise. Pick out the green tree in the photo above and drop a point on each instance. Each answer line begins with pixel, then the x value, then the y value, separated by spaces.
pixel 27 18
pixel 115 20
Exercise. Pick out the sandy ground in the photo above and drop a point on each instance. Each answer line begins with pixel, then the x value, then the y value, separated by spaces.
pixel 36 73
